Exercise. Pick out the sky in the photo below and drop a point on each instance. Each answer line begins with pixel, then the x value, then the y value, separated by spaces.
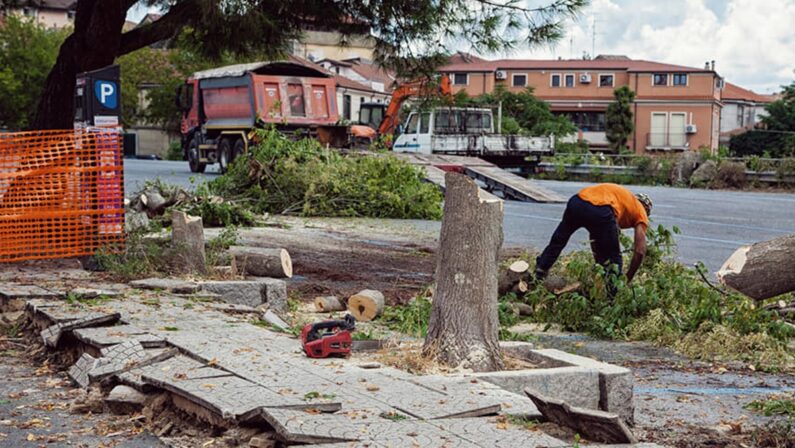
pixel 751 41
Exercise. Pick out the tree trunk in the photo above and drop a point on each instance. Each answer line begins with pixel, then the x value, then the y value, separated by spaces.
pixel 93 44
pixel 464 326
pixel 762 270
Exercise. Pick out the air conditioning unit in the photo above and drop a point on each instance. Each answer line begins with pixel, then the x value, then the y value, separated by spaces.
pixel 501 74
pixel 691 129
pixel 585 78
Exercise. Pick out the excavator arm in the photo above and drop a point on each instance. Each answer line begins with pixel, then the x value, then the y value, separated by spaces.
pixel 406 91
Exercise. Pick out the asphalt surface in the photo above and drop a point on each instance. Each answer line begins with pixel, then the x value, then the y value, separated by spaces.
pixel 713 223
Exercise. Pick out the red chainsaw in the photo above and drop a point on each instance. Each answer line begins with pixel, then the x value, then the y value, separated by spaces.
pixel 327 338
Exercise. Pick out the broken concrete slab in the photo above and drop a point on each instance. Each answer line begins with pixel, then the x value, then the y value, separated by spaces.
pixel 90 293
pixel 79 370
pixel 594 425
pixel 490 432
pixel 616 383
pixel 167 284
pixel 13 296
pixel 52 335
pixel 576 385
pixel 126 356
pixel 125 400
pixel 101 337
pixel 187 237
pixel 270 291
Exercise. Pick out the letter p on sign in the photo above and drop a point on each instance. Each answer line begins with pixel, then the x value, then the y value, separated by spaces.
pixel 106 93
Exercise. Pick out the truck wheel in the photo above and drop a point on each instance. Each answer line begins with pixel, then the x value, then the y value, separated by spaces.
pixel 239 148
pixel 194 157
pixel 224 154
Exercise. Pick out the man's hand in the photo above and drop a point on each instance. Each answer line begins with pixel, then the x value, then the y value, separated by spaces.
pixel 638 251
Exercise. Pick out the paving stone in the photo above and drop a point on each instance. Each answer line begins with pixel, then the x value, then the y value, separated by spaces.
pixel 123 357
pixel 485 432
pixel 231 397
pixel 232 308
pixel 167 284
pixel 270 291
pixel 594 425
pixel 179 368
pixel 19 291
pixel 90 293
pixel 578 386
pixel 125 400
pixel 52 334
pixel 301 427
pixel 107 336
pixel 616 383
pixel 413 399
pixel 79 370
pixel 271 318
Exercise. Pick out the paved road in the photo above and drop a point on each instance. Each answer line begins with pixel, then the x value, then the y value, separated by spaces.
pixel 713 223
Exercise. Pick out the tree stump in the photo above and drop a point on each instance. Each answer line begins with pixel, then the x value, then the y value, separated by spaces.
pixel 464 325
pixel 366 305
pixel 261 262
pixel 187 237
pixel 327 304
pixel 762 270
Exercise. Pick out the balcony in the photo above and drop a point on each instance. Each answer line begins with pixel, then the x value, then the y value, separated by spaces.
pixel 666 142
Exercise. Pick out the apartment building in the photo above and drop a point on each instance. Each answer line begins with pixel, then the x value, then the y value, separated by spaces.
pixel 50 13
pixel 742 110
pixel 676 108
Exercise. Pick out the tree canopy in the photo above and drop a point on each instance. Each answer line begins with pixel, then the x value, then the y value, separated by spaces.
pixel 522 112
pixel 619 119
pixel 27 52
pixel 410 36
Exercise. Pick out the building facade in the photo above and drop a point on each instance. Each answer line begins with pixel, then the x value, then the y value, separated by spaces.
pixel 676 108
pixel 742 110
pixel 50 13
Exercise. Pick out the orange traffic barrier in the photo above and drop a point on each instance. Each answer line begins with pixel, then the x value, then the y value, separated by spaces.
pixel 61 193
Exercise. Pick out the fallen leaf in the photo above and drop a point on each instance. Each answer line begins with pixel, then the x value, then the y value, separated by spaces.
pixel 372 388
pixel 212 363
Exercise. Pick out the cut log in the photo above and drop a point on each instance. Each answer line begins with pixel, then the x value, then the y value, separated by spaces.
pixel 521 287
pixel 464 324
pixel 261 262
pixel 327 304
pixel 512 275
pixel 762 270
pixel 366 305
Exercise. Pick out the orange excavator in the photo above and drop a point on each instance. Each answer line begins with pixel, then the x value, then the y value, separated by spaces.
pixel 375 121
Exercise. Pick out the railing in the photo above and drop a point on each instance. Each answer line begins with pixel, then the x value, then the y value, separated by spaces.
pixel 666 141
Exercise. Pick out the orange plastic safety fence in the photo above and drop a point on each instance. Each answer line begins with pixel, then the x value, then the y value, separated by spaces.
pixel 61 193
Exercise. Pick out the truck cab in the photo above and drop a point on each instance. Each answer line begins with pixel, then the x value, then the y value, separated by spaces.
pixel 421 127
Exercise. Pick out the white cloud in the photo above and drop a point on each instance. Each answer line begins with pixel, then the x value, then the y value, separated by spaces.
pixel 752 42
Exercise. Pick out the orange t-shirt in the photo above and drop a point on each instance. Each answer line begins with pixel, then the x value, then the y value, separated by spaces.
pixel 628 209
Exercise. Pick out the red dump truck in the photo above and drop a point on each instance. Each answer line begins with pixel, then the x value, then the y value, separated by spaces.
pixel 222 105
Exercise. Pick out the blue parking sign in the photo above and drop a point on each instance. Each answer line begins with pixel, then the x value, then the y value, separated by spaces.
pixel 107 93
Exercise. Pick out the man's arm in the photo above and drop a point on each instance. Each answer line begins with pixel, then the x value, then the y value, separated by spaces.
pixel 638 251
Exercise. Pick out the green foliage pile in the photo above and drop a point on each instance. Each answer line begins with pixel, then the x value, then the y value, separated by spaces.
pixel 522 113
pixel 27 52
pixel 668 304
pixel 284 176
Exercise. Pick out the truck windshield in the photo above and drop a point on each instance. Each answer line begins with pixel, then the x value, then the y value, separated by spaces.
pixel 372 116
pixel 478 121
pixel 295 95
pixel 411 125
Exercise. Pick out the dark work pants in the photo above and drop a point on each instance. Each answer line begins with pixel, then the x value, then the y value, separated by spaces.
pixel 600 221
